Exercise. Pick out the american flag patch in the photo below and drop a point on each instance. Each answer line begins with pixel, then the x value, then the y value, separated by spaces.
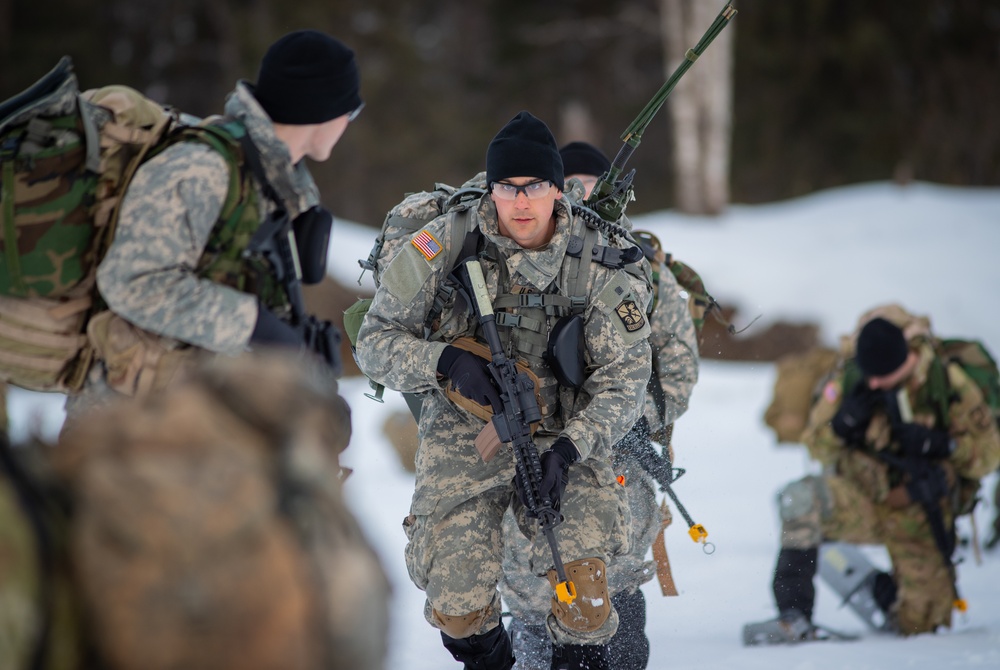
pixel 427 245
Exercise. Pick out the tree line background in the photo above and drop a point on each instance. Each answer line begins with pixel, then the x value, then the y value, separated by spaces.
pixel 824 92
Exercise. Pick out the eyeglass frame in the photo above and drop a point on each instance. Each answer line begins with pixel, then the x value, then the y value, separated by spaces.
pixel 353 114
pixel 523 188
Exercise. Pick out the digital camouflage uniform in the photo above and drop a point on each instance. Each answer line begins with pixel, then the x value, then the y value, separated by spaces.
pixel 675 354
pixel 454 527
pixel 861 500
pixel 149 275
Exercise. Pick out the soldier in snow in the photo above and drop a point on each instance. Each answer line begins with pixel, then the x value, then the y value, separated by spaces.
pixel 675 372
pixel 906 436
pixel 529 246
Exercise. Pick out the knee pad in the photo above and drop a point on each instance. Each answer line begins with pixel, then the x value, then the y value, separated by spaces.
pixel 802 505
pixel 463 625
pixel 593 603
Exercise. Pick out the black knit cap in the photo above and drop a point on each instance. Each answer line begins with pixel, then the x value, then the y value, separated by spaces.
pixel 881 348
pixel 584 158
pixel 524 148
pixel 307 77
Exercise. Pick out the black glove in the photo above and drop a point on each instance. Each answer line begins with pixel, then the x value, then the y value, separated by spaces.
pixel 917 440
pixel 555 470
pixel 470 376
pixel 322 338
pixel 854 414
pixel 270 330
pixel 555 474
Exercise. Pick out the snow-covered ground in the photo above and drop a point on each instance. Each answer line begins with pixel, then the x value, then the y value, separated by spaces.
pixel 826 257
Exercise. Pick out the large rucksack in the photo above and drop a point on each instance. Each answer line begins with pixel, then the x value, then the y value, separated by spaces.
pixel 201 528
pixel 66 158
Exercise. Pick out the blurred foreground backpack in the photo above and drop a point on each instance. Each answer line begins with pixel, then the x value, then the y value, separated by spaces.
pixel 65 160
pixel 208 528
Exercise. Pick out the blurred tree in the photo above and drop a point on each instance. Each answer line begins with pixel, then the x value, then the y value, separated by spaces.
pixel 826 92
pixel 700 106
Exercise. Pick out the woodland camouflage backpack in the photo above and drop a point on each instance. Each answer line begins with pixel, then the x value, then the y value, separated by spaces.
pixel 65 160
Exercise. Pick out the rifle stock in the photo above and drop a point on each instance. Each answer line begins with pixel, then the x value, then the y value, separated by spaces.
pixel 513 424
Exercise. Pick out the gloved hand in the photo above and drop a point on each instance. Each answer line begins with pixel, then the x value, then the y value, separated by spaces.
pixel 854 414
pixel 470 376
pixel 555 473
pixel 917 440
pixel 271 330
pixel 322 338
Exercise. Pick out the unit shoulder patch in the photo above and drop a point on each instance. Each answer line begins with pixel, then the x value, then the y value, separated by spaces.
pixel 631 316
pixel 426 244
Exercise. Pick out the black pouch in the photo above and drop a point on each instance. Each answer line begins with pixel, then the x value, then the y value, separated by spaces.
pixel 312 240
pixel 565 351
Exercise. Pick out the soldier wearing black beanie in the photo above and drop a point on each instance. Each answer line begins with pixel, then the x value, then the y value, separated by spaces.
pixel 308 77
pixel 584 158
pixel 524 147
pixel 881 348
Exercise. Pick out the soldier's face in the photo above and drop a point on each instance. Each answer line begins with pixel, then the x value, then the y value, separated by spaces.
pixel 589 182
pixel 894 379
pixel 527 221
pixel 325 136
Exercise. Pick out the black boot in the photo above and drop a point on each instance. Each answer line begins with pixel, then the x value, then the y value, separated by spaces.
pixel 489 651
pixel 793 581
pixel 629 648
pixel 580 657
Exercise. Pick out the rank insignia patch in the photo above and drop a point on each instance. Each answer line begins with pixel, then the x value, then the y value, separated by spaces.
pixel 631 315
pixel 427 245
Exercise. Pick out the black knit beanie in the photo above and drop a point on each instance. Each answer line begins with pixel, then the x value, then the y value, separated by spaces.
pixel 524 148
pixel 307 77
pixel 881 348
pixel 584 158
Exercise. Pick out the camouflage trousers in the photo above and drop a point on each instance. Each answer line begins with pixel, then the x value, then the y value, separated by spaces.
pixel 456 556
pixel 524 593
pixel 832 508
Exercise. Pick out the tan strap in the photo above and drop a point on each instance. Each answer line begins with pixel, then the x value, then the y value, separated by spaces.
pixel 48 315
pixel 71 308
pixel 11 360
pixel 663 573
pixel 125 134
pixel 39 339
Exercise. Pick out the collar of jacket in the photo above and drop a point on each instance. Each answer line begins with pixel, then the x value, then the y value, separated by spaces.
pixel 293 183
pixel 541 266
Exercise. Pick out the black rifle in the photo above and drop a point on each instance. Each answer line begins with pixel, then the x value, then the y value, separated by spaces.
pixel 513 423
pixel 662 470
pixel 926 484
pixel 274 241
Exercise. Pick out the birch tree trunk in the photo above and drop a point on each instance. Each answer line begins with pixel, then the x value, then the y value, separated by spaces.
pixel 700 106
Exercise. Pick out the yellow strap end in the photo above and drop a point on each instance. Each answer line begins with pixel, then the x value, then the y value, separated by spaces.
pixel 698 532
pixel 566 592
